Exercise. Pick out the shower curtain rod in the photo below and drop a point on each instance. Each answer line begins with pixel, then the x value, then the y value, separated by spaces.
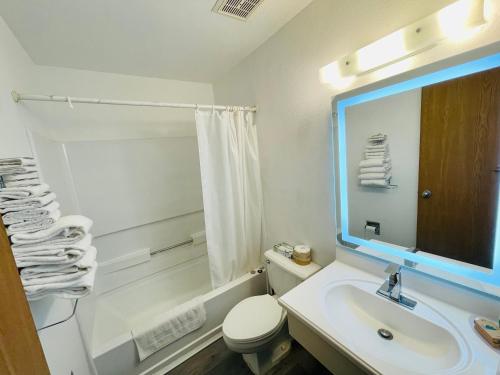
pixel 17 97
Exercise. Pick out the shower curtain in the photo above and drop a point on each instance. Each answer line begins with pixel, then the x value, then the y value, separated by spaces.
pixel 232 197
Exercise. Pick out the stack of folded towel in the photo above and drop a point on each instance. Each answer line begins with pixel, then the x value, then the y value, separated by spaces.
pixel 54 253
pixel 375 168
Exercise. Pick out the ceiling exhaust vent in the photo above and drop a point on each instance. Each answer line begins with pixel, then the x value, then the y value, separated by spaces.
pixel 240 9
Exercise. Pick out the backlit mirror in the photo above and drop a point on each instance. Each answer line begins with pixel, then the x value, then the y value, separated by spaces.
pixel 418 170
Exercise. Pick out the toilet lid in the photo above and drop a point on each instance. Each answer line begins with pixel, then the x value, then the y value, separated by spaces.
pixel 253 318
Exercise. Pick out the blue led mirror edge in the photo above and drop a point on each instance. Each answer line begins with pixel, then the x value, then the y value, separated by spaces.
pixel 475 66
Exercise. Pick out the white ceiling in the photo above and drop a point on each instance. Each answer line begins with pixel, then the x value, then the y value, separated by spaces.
pixel 180 39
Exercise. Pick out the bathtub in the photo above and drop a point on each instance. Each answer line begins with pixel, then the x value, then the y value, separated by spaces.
pixel 113 348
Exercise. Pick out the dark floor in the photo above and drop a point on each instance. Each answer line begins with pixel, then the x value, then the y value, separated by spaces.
pixel 217 359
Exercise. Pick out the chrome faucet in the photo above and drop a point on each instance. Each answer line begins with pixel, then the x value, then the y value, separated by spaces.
pixel 391 288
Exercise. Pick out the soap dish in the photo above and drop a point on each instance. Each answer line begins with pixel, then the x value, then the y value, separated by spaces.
pixel 489 330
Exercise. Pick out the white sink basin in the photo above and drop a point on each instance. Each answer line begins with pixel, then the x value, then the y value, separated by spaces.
pixel 423 337
pixel 340 305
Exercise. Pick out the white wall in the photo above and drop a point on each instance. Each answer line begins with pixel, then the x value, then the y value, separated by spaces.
pixel 56 134
pixel 397 116
pixel 81 132
pixel 15 72
pixel 91 122
pixel 133 170
pixel 281 78
pixel 128 183
pixel 63 346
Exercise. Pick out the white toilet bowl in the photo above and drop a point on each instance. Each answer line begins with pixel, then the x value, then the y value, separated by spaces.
pixel 256 327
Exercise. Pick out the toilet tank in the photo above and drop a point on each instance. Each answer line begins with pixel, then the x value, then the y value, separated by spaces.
pixel 284 274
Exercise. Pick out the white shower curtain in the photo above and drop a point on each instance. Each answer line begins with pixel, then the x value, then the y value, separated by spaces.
pixel 232 198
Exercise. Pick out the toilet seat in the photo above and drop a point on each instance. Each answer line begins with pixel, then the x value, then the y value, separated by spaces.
pixel 254 320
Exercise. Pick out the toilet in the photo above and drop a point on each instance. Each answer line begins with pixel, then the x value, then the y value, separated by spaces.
pixel 257 326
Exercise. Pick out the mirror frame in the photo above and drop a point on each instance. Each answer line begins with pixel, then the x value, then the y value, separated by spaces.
pixel 471 276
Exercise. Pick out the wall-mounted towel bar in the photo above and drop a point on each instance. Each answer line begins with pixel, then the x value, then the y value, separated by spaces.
pixel 188 242
pixel 390 186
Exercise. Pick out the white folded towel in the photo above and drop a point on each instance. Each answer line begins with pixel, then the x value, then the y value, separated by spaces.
pixel 22 192
pixel 374 176
pixel 31 214
pixel 377 137
pixel 52 249
pixel 34 225
pixel 55 277
pixel 377 183
pixel 26 203
pixel 69 257
pixel 17 161
pixel 168 327
pixel 37 275
pixel 376 166
pixel 372 157
pixel 17 183
pixel 377 140
pixel 76 288
pixel 380 162
pixel 55 257
pixel 30 276
pixel 15 169
pixel 20 177
pixel 376 156
pixel 383 169
pixel 83 261
pixel 380 147
pixel 66 231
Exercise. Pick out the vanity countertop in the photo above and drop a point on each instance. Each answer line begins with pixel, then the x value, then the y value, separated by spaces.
pixel 340 304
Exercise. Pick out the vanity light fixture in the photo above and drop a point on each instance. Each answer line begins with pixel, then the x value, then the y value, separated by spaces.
pixel 456 21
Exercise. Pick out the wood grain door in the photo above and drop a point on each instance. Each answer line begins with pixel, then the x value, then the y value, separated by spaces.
pixel 20 349
pixel 459 163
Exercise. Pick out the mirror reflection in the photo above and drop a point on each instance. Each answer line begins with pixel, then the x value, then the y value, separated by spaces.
pixel 424 168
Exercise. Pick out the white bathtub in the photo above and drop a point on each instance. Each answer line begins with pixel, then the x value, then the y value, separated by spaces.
pixel 118 311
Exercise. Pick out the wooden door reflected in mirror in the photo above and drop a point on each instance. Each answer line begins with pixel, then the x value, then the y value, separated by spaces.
pixel 459 168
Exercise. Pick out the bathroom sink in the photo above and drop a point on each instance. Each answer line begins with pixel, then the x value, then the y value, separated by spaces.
pixel 382 331
pixel 337 314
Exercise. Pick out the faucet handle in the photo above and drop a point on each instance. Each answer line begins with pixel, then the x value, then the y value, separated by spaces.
pixel 393 268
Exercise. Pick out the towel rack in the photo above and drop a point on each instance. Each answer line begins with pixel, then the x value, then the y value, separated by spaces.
pixel 179 244
pixel 389 186
pixel 63 320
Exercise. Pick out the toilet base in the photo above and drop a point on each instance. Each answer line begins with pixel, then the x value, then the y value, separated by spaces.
pixel 261 362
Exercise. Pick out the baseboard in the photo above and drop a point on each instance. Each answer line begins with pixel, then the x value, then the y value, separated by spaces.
pixel 185 353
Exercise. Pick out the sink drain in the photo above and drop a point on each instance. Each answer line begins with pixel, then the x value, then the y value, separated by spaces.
pixel 385 334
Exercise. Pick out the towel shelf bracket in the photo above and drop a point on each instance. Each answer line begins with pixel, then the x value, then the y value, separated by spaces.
pixel 388 187
pixel 61 321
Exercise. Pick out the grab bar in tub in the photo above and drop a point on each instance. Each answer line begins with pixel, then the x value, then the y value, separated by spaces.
pixel 188 242
pixel 196 239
